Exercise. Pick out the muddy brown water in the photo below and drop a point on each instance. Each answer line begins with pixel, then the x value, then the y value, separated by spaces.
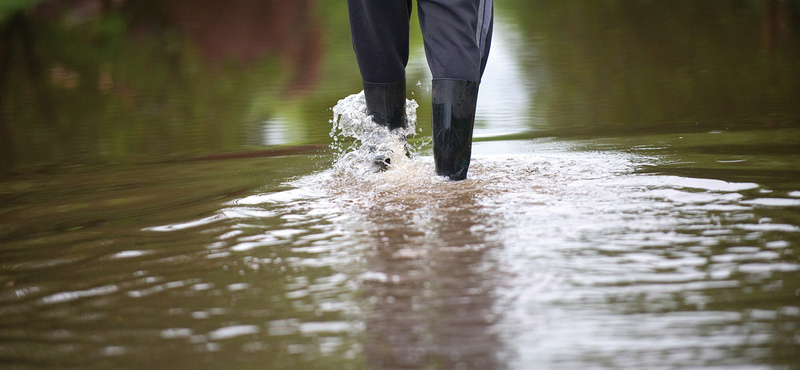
pixel 633 201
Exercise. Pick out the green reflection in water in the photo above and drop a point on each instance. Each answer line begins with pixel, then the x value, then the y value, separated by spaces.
pixel 142 81
pixel 635 67
pixel 150 80
pixel 709 88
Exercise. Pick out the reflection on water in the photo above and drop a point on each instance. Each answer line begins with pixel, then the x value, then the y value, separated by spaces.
pixel 640 67
pixel 629 270
pixel 91 82
pixel 275 132
pixel 506 89
pixel 643 213
pixel 555 254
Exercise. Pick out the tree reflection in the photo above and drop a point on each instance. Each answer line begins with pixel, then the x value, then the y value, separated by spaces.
pixel 95 81
pixel 246 32
pixel 639 66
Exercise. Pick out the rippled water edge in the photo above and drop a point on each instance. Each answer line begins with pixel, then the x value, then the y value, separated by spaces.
pixel 552 255
pixel 587 232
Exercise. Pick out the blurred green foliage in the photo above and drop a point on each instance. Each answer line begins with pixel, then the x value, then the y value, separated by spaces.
pixel 616 67
pixel 9 7
pixel 134 84
pixel 142 82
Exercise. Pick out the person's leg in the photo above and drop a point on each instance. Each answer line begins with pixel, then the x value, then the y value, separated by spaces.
pixel 379 30
pixel 457 35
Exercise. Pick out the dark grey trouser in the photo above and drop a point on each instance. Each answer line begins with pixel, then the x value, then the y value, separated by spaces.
pixel 457 36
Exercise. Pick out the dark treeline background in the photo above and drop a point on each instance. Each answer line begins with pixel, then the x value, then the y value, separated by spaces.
pixel 87 82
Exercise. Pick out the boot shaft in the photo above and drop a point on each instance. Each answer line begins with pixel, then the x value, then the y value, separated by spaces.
pixel 454 103
pixel 386 103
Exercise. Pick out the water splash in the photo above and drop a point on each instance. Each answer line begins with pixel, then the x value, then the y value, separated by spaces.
pixel 357 139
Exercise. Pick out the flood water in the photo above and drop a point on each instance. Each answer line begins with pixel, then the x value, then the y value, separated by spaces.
pixel 181 189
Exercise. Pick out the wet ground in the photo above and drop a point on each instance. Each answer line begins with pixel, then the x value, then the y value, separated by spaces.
pixel 633 202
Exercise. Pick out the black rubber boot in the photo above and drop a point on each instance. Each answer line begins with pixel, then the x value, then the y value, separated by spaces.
pixel 454 103
pixel 386 103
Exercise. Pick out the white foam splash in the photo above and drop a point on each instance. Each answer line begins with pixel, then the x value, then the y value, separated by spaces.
pixel 357 139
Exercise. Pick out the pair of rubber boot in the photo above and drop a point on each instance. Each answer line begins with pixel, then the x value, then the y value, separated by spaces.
pixel 454 103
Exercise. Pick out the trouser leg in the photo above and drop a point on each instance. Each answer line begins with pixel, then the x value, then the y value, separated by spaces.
pixel 379 30
pixel 457 36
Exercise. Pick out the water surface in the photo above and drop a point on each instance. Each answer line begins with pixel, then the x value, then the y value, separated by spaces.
pixel 173 201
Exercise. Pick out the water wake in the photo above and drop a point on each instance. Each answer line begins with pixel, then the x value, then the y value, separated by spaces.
pixel 357 139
